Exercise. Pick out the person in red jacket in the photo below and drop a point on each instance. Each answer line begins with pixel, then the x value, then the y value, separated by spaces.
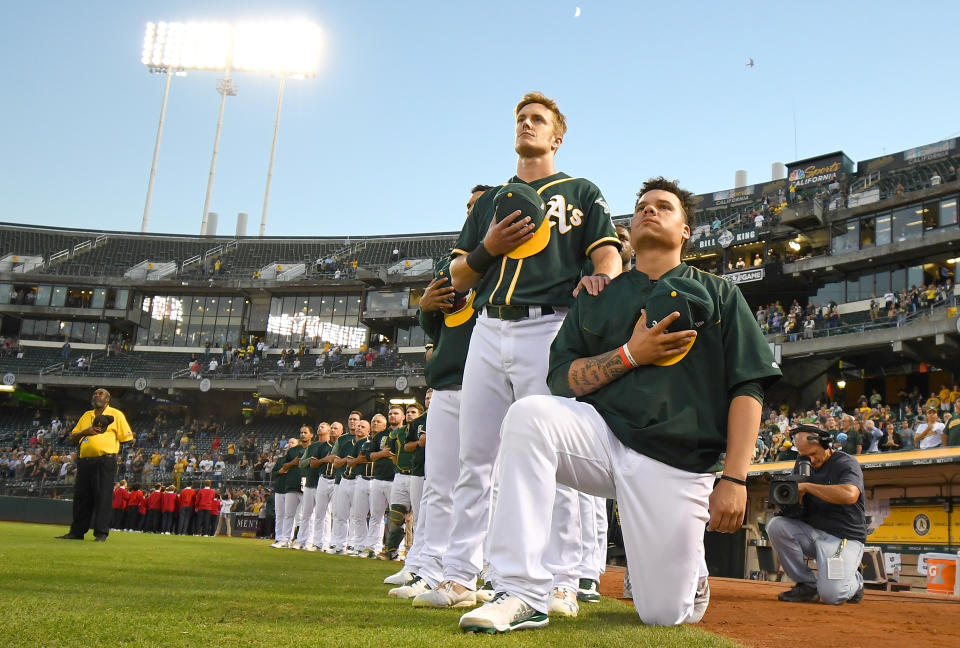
pixel 167 507
pixel 132 514
pixel 119 503
pixel 203 504
pixel 185 501
pixel 154 504
pixel 215 509
pixel 142 512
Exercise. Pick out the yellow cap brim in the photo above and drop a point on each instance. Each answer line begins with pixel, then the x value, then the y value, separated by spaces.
pixel 677 358
pixel 461 316
pixel 536 243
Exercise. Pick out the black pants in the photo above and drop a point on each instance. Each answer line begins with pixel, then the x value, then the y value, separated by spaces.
pixel 167 522
pixel 118 518
pixel 93 495
pixel 183 524
pixel 153 521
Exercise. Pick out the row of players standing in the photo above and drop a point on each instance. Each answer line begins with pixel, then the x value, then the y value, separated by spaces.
pixel 357 473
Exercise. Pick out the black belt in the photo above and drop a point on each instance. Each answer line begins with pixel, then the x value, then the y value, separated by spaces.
pixel 513 313
pixel 331 477
pixel 366 478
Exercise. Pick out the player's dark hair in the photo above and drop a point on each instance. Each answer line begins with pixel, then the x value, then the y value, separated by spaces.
pixel 685 197
pixel 481 187
pixel 358 413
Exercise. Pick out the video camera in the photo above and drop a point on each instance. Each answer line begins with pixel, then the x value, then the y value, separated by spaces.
pixel 785 489
pixel 102 421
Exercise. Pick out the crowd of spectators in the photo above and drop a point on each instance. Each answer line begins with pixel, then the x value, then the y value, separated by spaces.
pixel 915 422
pixel 890 309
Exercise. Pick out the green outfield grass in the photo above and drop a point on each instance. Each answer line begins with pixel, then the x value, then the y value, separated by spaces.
pixel 147 590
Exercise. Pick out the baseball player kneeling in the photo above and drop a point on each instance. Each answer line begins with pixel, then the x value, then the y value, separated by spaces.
pixel 667 367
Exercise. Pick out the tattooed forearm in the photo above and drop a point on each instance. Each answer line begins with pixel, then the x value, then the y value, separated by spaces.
pixel 587 375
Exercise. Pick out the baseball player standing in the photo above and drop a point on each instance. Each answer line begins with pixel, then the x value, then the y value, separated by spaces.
pixel 340 534
pixel 524 274
pixel 381 471
pixel 654 410
pixel 448 320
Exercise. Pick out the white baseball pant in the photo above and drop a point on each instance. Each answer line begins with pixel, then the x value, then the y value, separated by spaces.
pixel 507 360
pixel 442 468
pixel 304 521
pixel 278 517
pixel 359 509
pixel 400 491
pixel 291 501
pixel 321 529
pixel 379 501
pixel 663 510
pixel 593 535
pixel 342 498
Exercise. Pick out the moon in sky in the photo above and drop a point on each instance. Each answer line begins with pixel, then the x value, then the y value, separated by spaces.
pixel 576 14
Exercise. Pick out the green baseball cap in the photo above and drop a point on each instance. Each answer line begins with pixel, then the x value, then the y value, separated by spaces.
pixel 518 195
pixel 687 297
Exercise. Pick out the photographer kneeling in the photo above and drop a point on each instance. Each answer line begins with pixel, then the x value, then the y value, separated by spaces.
pixel 827 524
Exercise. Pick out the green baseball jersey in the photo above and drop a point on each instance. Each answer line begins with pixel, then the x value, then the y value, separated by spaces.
pixel 352 448
pixel 580 222
pixel 326 449
pixel 382 469
pixel 444 369
pixel 313 451
pixel 415 428
pixel 401 458
pixel 278 480
pixel 342 448
pixel 676 414
pixel 292 478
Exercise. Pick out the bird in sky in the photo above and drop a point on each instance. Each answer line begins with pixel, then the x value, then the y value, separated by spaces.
pixel 750 63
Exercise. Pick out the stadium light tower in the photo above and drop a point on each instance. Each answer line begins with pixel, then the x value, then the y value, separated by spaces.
pixel 288 48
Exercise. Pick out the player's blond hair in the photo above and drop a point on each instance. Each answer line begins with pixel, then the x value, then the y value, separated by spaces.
pixel 559 121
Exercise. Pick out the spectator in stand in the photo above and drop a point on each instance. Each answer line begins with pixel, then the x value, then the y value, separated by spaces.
pixel 891 438
pixel 757 260
pixel 218 467
pixel 741 264
pixel 929 433
pixel 952 430
pixel 852 443
pixel 168 507
pixel 872 436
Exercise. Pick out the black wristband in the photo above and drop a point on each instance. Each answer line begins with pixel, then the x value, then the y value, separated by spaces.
pixel 741 482
pixel 480 259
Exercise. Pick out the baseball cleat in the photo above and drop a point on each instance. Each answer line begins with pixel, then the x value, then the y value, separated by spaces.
pixel 386 555
pixel 414 588
pixel 587 591
pixel 368 553
pixel 857 596
pixel 446 596
pixel 504 613
pixel 331 550
pixel 402 577
pixel 311 547
pixel 279 545
pixel 486 593
pixel 563 602
pixel 700 602
pixel 296 545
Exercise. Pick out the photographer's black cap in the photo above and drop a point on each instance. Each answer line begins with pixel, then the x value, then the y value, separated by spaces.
pixel 823 437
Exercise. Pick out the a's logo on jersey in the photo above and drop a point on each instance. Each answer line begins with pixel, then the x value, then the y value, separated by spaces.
pixel 603 203
pixel 557 209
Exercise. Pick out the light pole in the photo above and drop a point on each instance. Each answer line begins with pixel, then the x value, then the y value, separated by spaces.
pixel 156 153
pixel 226 88
pixel 273 149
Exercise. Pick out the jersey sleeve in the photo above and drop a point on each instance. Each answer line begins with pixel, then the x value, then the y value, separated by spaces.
pixel 598 229
pixel 747 355
pixel 124 433
pixel 569 345
pixel 431 323
pixel 470 235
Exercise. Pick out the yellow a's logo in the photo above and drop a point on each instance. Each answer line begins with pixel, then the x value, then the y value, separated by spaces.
pixel 557 209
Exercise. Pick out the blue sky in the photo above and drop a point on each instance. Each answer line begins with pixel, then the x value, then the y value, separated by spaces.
pixel 413 104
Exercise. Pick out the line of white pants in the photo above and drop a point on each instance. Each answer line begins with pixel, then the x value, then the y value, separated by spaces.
pixel 379 501
pixel 400 491
pixel 432 531
pixel 663 510
pixel 505 362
